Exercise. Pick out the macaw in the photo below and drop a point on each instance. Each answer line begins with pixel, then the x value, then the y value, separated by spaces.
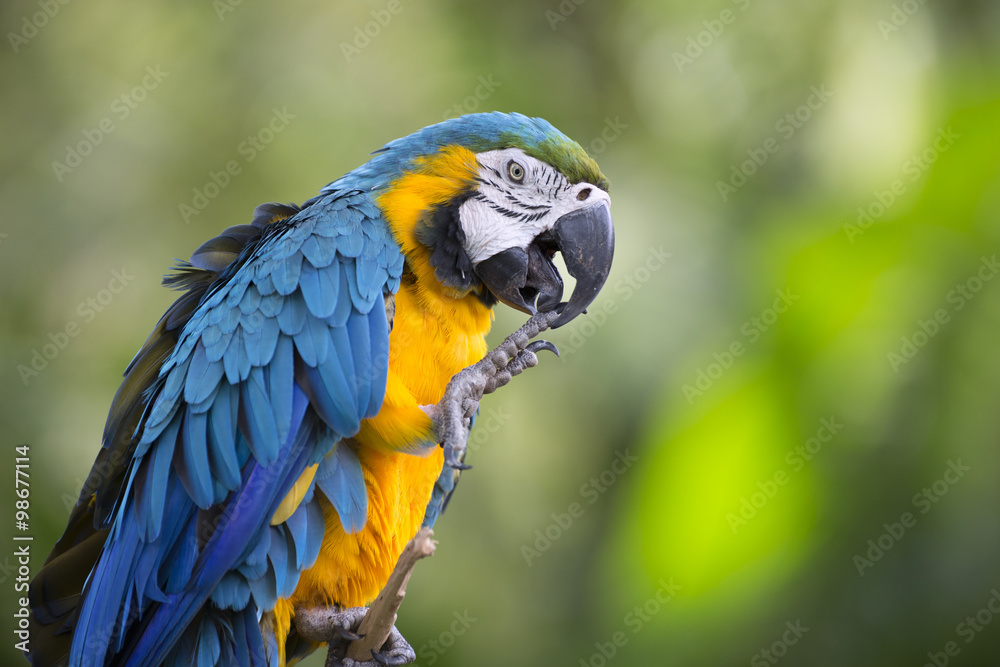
pixel 277 439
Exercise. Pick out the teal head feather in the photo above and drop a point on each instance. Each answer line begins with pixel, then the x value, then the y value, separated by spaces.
pixel 478 132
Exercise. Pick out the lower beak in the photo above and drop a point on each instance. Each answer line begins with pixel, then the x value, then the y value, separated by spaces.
pixel 586 239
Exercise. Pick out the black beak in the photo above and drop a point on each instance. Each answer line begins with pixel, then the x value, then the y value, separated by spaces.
pixel 586 239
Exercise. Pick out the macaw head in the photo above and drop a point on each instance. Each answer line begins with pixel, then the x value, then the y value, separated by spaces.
pixel 482 203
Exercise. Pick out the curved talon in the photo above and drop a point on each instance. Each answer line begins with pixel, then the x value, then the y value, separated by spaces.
pixel 458 465
pixel 452 460
pixel 394 661
pixel 345 633
pixel 539 345
pixel 395 651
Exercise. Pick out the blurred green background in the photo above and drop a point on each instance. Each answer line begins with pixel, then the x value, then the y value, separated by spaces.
pixel 774 439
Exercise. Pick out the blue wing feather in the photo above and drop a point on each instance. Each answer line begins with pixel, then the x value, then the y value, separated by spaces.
pixel 233 592
pixel 292 316
pixel 306 527
pixel 209 644
pixel 355 344
pixel 180 562
pixel 320 289
pixel 342 481
pixel 378 329
pixel 202 377
pixel 312 342
pixel 250 303
pixel 330 395
pixel 281 361
pixel 257 418
pixel 259 496
pixel 231 360
pixel 223 457
pixel 253 343
pixel 279 562
pixel 192 464
pixel 228 320
pixel 351 244
pixel 271 304
pixel 153 496
pixel 280 377
pixel 344 305
pixel 286 274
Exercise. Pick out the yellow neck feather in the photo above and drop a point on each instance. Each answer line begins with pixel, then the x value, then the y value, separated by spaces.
pixel 436 180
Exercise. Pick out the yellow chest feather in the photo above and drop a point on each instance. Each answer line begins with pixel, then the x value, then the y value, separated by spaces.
pixel 435 334
pixel 424 354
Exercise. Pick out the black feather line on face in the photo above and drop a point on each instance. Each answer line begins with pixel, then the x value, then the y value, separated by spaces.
pixel 441 232
pixel 527 207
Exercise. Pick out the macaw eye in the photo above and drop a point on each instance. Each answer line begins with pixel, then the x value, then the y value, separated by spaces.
pixel 515 171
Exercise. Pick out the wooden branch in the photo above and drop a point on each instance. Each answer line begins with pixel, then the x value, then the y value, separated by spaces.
pixel 381 616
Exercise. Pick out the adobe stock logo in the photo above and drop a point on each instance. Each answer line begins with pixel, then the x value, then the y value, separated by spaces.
pixel 752 330
pixel 591 491
pixel 634 620
pixel 927 329
pixel 698 44
pixel 770 487
pixel 896 531
pixel 913 170
pixel 431 651
pixel 598 314
pixel 37 21
pixel 968 629
pixel 777 650
pixel 487 85
pixel 900 16
pixel 566 9
pixel 785 127
pixel 87 311
pixel 248 150
pixel 364 34
pixel 121 107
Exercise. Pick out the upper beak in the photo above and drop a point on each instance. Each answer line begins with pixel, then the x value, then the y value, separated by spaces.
pixel 586 239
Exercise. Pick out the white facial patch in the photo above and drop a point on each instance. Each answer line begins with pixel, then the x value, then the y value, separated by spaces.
pixel 507 212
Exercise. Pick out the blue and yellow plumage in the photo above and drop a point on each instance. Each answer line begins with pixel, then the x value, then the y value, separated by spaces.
pixel 270 446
